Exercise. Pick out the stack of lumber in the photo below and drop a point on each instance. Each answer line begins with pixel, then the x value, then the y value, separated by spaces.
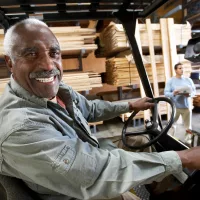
pixel 113 40
pixel 121 72
pixel 196 100
pixel 182 34
pixel 78 81
pixel 73 40
pixel 95 79
pixel 82 81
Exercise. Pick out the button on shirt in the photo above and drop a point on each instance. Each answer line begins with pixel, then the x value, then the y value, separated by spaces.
pixel 52 150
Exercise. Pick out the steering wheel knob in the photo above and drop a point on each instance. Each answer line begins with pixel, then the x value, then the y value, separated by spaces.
pixel 148 124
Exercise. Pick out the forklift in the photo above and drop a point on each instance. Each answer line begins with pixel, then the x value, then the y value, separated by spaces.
pixel 127 12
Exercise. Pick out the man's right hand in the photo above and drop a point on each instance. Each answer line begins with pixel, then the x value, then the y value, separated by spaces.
pixel 190 157
pixel 175 92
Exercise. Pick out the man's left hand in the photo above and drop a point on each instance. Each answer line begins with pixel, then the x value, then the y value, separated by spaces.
pixel 141 104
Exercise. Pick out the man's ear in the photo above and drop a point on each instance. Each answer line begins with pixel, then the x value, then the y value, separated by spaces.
pixel 8 63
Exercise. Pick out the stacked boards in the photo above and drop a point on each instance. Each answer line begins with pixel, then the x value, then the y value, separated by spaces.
pixel 78 81
pixel 113 40
pixel 122 72
pixel 82 81
pixel 73 40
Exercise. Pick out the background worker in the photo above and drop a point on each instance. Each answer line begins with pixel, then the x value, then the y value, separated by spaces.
pixel 182 100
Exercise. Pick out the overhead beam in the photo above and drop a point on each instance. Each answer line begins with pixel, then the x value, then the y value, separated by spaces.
pixel 153 7
pixel 35 2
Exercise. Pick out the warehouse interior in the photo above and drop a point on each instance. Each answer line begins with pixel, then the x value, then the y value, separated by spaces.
pixel 98 60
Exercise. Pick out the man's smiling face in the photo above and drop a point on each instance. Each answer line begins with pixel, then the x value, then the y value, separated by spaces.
pixel 36 60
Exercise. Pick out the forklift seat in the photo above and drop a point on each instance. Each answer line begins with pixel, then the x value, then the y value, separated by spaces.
pixel 14 189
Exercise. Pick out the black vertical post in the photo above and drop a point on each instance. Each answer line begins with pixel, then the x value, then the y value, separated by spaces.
pixel 129 23
pixel 120 93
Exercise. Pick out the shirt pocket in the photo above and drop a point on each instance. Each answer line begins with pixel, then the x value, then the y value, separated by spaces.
pixel 86 170
pixel 64 160
pixel 80 168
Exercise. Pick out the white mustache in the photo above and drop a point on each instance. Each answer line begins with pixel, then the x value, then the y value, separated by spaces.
pixel 45 74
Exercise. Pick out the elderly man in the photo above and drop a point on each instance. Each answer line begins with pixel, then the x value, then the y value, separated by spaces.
pixel 45 138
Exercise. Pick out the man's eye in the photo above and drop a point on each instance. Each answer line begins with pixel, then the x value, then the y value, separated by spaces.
pixel 54 54
pixel 31 54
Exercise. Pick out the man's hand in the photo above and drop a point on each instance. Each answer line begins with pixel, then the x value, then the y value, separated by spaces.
pixel 141 104
pixel 190 158
pixel 186 95
pixel 175 92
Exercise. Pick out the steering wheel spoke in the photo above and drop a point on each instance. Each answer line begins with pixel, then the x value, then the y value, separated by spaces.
pixel 135 133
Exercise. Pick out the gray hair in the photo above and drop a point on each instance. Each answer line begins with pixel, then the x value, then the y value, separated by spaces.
pixel 9 36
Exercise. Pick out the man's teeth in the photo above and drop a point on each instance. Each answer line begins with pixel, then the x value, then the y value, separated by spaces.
pixel 45 80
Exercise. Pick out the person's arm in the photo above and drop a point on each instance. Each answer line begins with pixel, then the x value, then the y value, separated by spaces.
pixel 97 110
pixel 66 165
pixel 168 91
pixel 190 158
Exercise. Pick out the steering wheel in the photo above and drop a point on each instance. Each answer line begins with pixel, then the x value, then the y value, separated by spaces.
pixel 153 128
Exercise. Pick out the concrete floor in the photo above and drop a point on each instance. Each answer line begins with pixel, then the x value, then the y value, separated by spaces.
pixel 180 130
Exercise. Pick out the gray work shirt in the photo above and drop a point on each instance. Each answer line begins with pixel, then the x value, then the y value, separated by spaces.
pixel 52 150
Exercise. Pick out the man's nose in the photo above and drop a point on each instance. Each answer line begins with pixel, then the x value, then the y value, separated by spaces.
pixel 47 63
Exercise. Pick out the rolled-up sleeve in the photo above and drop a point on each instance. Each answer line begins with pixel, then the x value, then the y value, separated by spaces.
pixel 77 169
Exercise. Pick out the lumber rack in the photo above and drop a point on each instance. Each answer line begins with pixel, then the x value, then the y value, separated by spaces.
pixel 80 57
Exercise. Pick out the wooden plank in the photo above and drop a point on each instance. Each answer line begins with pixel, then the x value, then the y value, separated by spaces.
pixel 165 48
pixel 72 40
pixel 172 44
pixel 137 36
pixel 92 23
pixel 152 55
pixel 166 52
